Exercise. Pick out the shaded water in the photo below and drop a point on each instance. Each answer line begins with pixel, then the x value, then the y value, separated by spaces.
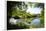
pixel 35 21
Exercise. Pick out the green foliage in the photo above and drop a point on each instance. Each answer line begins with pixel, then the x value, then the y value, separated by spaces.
pixel 22 25
pixel 22 14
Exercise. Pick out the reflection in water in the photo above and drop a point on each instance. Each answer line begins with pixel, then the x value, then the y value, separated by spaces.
pixel 35 21
pixel 14 21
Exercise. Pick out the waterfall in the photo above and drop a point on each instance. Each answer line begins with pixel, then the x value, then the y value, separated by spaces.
pixel 33 10
pixel 33 5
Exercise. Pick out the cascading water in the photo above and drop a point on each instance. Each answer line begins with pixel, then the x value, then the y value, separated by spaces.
pixel 33 10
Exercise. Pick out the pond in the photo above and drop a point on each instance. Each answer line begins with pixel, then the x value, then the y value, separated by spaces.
pixel 35 21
